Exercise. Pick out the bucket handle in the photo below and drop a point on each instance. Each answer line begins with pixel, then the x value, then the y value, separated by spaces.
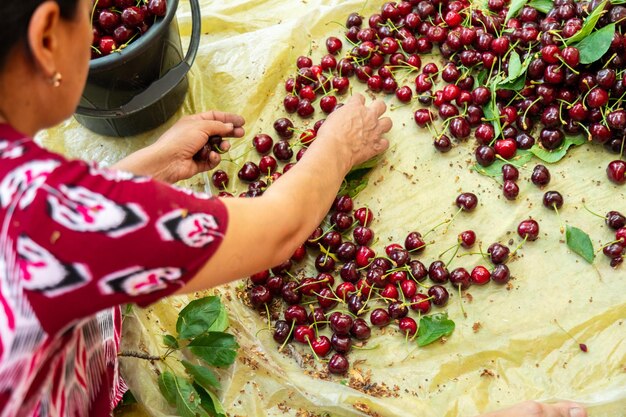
pixel 161 87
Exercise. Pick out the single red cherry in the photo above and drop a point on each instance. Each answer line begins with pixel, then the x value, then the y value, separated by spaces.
pixel 333 45
pixel 528 229
pixel 467 238
pixel 380 317
pixel 420 302
pixel 408 326
pixel 616 171
pixel 321 346
pixel 302 333
pixel 506 148
pixel 467 201
pixel 338 364
pixel 480 275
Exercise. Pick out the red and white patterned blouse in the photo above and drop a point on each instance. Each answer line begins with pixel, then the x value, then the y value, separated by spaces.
pixel 76 241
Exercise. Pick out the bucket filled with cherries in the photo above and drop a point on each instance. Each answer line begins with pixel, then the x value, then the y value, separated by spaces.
pixel 117 23
pixel 138 72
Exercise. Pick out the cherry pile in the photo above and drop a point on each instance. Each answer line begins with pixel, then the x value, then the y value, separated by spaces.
pixel 116 23
pixel 355 288
pixel 560 96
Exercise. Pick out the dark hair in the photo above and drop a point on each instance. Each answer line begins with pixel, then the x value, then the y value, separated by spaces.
pixel 16 16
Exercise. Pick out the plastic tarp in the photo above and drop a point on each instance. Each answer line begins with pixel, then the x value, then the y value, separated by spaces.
pixel 508 348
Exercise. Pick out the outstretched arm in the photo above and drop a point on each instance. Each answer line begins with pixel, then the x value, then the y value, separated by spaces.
pixel 265 231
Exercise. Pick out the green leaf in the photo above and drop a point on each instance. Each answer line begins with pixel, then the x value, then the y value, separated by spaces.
pixel 198 316
pixel 170 341
pixel 595 45
pixel 370 163
pixel 167 386
pixel 544 6
pixel 215 348
pixel 187 399
pixel 514 8
pixel 354 188
pixel 221 323
pixel 588 25
pixel 515 66
pixel 493 116
pixel 495 170
pixel 517 73
pixel 579 242
pixel 211 403
pixel 557 154
pixel 480 79
pixel 202 376
pixel 355 182
pixel 515 85
pixel 356 175
pixel 434 327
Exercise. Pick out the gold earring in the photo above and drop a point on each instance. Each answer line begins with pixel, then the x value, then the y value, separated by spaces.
pixel 56 79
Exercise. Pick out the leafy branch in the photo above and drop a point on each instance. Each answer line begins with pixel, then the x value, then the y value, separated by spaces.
pixel 201 333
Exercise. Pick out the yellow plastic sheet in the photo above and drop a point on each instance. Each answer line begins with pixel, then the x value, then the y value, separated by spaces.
pixel 506 350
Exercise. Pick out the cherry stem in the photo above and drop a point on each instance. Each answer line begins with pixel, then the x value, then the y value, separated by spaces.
pixel 448 250
pixel 592 212
pixel 419 247
pixel 461 301
pixel 312 315
pixel 559 216
pixel 293 324
pixel 317 358
pixel 417 302
pixel 263 329
pixel 560 58
pixel 609 244
pixel 452 258
pixel 415 279
pixel 452 219
pixel 364 348
pixel 337 299
pixel 518 246
pixel 566 332
pixel 269 322
pixel 436 227
pixel 362 309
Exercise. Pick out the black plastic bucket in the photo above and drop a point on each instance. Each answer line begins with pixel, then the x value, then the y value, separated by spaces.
pixel 142 86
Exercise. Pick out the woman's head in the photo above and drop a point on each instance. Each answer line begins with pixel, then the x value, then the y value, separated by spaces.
pixel 41 40
pixel 16 17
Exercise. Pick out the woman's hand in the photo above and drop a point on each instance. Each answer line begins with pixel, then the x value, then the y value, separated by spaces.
pixel 358 129
pixel 170 158
pixel 290 209
pixel 537 409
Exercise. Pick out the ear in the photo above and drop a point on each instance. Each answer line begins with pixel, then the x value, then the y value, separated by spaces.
pixel 43 37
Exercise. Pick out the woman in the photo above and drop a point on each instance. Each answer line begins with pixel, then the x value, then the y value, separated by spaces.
pixel 77 241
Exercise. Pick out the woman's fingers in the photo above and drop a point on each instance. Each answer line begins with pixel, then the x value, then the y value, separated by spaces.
pixel 214 159
pixel 537 409
pixel 379 107
pixel 385 124
pixel 238 132
pixel 219 116
pixel 225 145
pixel 357 99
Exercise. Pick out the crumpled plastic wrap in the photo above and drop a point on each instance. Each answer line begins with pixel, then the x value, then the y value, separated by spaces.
pixel 506 350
